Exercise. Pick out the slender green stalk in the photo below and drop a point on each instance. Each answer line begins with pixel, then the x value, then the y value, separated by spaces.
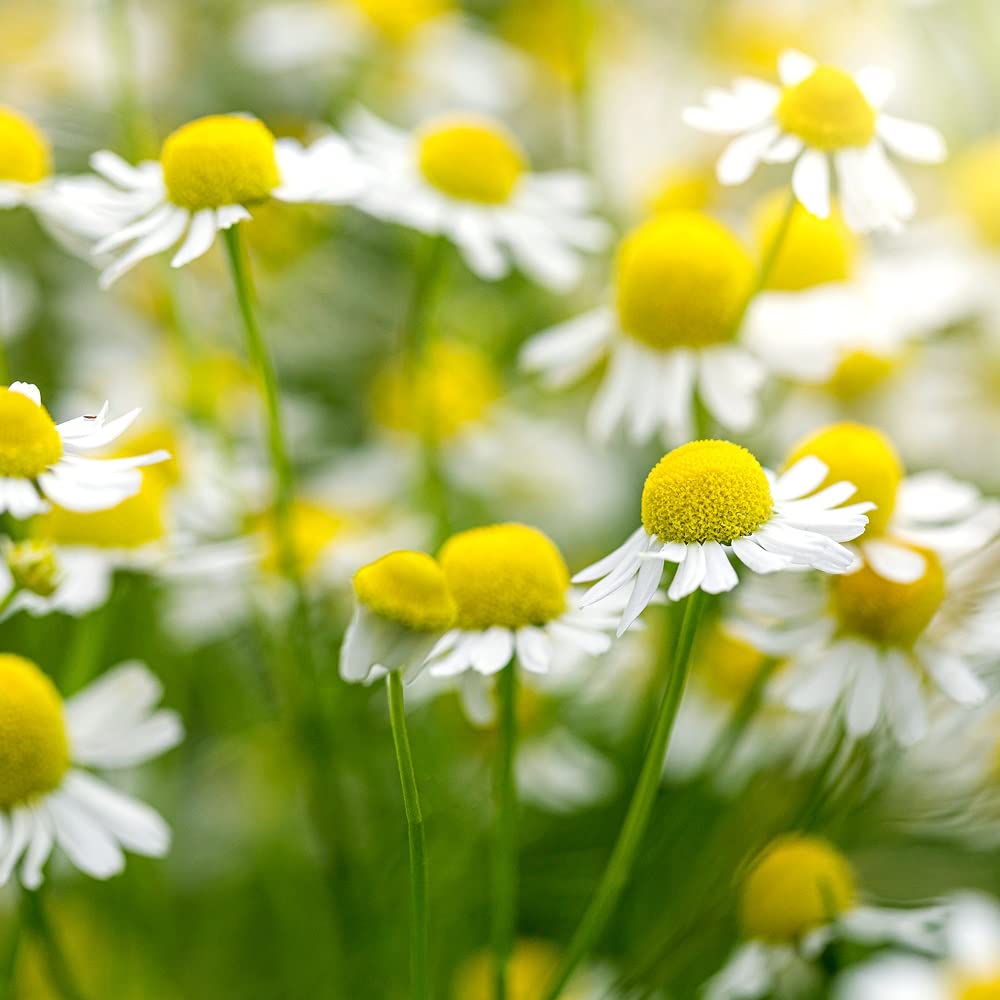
pixel 605 899
pixel 505 848
pixel 773 250
pixel 8 960
pixel 37 920
pixel 419 974
pixel 8 600
pixel 126 90
pixel 4 368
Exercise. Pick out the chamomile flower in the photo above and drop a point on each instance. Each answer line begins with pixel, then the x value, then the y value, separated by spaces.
pixel 402 607
pixel 209 171
pixel 708 500
pixel 42 461
pixel 513 593
pixel 929 510
pixel 466 177
pixel 48 795
pixel 797 897
pixel 25 160
pixel 818 115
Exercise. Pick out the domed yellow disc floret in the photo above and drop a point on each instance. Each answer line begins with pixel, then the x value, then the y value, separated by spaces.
pixel 797 885
pixel 813 252
pixel 978 989
pixel 25 156
pixel 396 21
pixel 505 574
pixel 29 441
pixel 858 372
pixel 827 110
pixel 727 664
pixel 861 455
pixel 314 527
pixel 454 388
pixel 34 750
pixel 532 964
pixel 976 188
pixel 681 280
pixel 472 159
pixel 706 491
pixel 219 160
pixel 868 605
pixel 408 588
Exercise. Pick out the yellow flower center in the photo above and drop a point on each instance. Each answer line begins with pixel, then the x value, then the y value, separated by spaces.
pixel 155 437
pixel 531 965
pixel 797 885
pixel 977 191
pixel 219 160
pixel 896 614
pixel 706 491
pixel 827 110
pixel 314 527
pixel 861 455
pixel 471 159
pixel 858 372
pixel 727 665
pixel 29 441
pixel 33 566
pixel 397 21
pixel 505 574
pixel 978 989
pixel 454 388
pixel 814 251
pixel 681 280
pixel 34 750
pixel 25 156
pixel 408 588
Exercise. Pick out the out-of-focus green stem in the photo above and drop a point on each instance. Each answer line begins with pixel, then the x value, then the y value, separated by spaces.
pixel 126 89
pixel 605 899
pixel 57 967
pixel 419 966
pixel 505 847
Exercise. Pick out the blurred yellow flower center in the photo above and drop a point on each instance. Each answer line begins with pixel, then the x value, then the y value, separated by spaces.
pixel 25 156
pixel 727 664
pixel 868 605
pixel 453 388
pixel 979 989
pixel 858 372
pixel 814 251
pixel 797 885
pixel 219 160
pixel 471 159
pixel 34 750
pixel 682 189
pixel 314 527
pixel 155 437
pixel 29 441
pixel 827 110
pixel 861 455
pixel 505 574
pixel 531 965
pixel 706 491
pixel 681 280
pixel 408 588
pixel 397 20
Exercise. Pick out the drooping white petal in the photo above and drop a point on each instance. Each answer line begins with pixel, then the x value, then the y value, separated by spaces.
pixel 912 140
pixel 199 238
pixel 811 182
pixel 894 562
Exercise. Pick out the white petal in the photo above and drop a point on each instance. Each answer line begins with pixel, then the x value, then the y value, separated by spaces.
pixel 741 157
pixel 954 677
pixel 492 650
pixel 756 557
pixel 160 239
pixel 794 67
pixel 534 649
pixel 636 541
pixel 27 389
pixel 200 237
pixel 904 699
pixel 811 182
pixel 912 140
pixel 866 692
pixel 719 573
pixel 894 562
pixel 86 841
pixel 818 684
pixel 804 477
pixel 646 583
pixel 690 573
pixel 876 83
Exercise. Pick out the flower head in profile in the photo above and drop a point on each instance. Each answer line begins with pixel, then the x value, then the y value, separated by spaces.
pixel 682 283
pixel 25 160
pixel 402 607
pixel 465 177
pixel 513 594
pixel 818 116
pixel 42 461
pixel 211 171
pixel 48 795
pixel 707 501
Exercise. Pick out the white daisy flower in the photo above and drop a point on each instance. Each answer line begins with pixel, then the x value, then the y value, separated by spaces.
pixel 673 332
pixel 969 969
pixel 402 608
pixel 48 795
pixel 708 500
pixel 25 160
pixel 822 114
pixel 465 177
pixel 513 593
pixel 210 170
pixel 797 897
pixel 41 460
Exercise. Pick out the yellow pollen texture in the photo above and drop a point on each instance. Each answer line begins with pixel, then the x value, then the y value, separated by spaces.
pixel 681 280
pixel 505 574
pixel 706 491
pixel 29 441
pixel 895 614
pixel 827 110
pixel 857 454
pixel 25 156
pixel 408 588
pixel 470 158
pixel 396 21
pixel 219 160
pixel 34 750
pixel 726 664
pixel 797 885
pixel 814 251
pixel 976 188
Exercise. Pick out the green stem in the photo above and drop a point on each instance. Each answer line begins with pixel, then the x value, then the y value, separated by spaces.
pixel 8 963
pixel 420 979
pixel 605 899
pixel 8 600
pixel 127 96
pixel 505 849
pixel 58 969
pixel 4 368
pixel 813 805
pixel 773 250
